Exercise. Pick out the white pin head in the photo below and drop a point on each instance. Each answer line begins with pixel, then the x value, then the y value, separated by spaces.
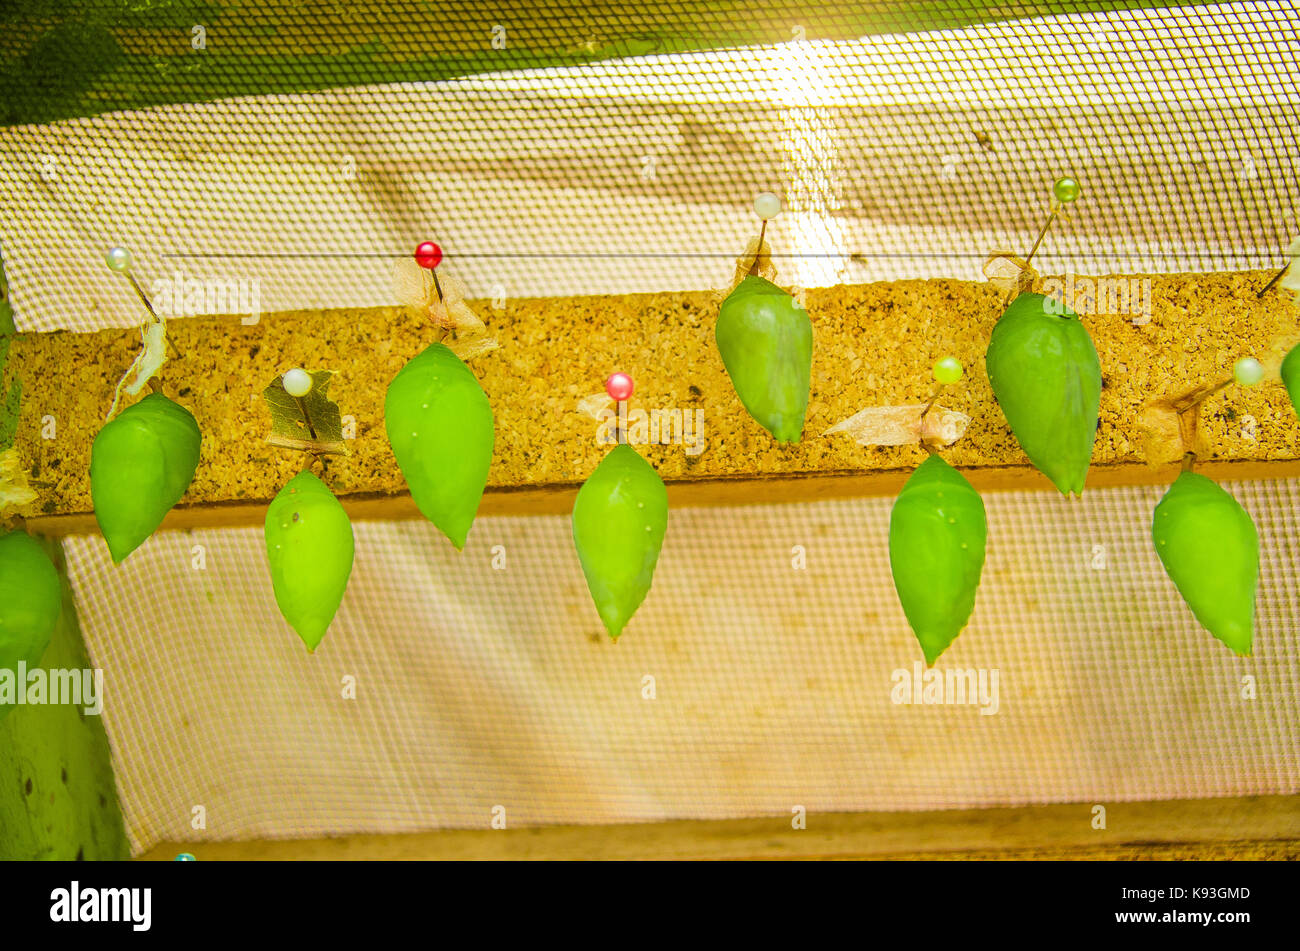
pixel 297 382
pixel 767 206
pixel 1248 371
pixel 118 259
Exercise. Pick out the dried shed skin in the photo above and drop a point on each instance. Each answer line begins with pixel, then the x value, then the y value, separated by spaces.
pixel 911 425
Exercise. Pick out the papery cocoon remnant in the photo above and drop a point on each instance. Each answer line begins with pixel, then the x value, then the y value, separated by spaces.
pixel 619 521
pixel 440 426
pixel 141 463
pixel 903 426
pixel 937 533
pixel 309 546
pixel 1045 374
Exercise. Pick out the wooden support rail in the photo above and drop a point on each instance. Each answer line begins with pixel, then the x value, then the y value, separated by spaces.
pixel 874 345
pixel 1262 827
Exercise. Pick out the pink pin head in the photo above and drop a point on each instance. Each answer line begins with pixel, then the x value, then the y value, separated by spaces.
pixel 428 255
pixel 619 386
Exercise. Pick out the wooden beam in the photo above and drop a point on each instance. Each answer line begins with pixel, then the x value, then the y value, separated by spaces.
pixel 1255 827
pixel 875 344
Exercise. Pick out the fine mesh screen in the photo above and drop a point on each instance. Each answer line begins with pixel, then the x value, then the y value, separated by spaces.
pixel 479 686
pixel 904 154
pixel 306 148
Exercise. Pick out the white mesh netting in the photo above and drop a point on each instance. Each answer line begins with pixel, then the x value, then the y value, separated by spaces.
pixel 898 155
pixel 480 686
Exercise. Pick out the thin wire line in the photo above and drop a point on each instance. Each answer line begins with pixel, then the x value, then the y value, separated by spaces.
pixel 584 255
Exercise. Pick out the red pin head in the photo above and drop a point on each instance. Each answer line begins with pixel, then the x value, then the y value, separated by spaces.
pixel 619 386
pixel 428 255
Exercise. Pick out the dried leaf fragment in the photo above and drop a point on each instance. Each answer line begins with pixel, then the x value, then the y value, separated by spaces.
pixel 15 493
pixel 311 423
pixel 1009 273
pixel 904 426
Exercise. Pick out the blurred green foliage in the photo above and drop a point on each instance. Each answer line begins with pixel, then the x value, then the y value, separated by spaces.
pixel 63 59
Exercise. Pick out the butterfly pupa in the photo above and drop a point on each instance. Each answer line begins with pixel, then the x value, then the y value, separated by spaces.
pixel 440 427
pixel 31 600
pixel 309 546
pixel 619 520
pixel 1210 549
pixel 1045 373
pixel 141 464
pixel 937 534
pixel 765 340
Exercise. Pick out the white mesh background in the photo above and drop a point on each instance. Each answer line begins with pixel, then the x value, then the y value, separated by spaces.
pixel 899 156
pixel 480 687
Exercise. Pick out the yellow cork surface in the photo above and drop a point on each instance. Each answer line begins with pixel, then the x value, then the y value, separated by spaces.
pixel 874 345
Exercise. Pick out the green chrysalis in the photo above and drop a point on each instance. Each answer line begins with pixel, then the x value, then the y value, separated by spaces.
pixel 937 532
pixel 765 339
pixel 1291 377
pixel 309 545
pixel 1210 549
pixel 619 520
pixel 141 463
pixel 30 603
pixel 439 424
pixel 1046 376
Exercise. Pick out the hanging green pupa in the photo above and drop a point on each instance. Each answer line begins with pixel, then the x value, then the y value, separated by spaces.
pixel 309 545
pixel 937 531
pixel 1291 377
pixel 31 600
pixel 1210 549
pixel 1046 376
pixel 765 339
pixel 141 463
pixel 440 426
pixel 619 520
